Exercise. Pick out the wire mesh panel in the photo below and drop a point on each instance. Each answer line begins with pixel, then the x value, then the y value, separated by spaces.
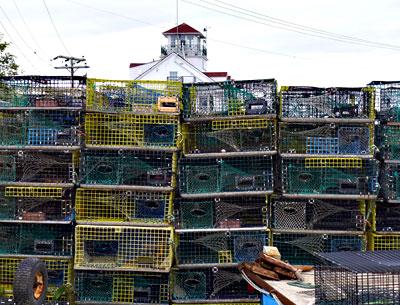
pixel 251 97
pixel 326 139
pixel 117 247
pixel 387 99
pixel 302 248
pixel 312 102
pixel 36 203
pixel 127 168
pixel 228 212
pixel 390 181
pixel 103 129
pixel 40 167
pixel 229 136
pixel 121 287
pixel 219 247
pixel 36 239
pixel 140 96
pixel 388 138
pixel 387 217
pixel 351 176
pixel 379 241
pixel 59 273
pixel 93 205
pixel 231 174
pixel 42 91
pixel 317 214
pixel 211 284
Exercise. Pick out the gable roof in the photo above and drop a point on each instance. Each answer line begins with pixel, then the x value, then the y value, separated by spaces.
pixel 183 28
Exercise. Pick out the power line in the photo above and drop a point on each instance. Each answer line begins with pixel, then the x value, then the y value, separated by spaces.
pixel 55 28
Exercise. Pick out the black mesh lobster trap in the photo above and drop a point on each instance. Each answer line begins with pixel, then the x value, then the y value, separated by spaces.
pixel 316 103
pixel 355 278
pixel 386 217
pixel 387 100
pixel 230 98
pixel 390 181
pixel 318 214
pixel 219 284
pixel 42 91
pixel 226 212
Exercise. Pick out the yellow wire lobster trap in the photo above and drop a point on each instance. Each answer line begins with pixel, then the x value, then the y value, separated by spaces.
pixel 34 191
pixel 378 241
pixel 125 248
pixel 333 162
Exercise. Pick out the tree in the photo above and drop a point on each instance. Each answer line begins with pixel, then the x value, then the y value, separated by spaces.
pixel 8 66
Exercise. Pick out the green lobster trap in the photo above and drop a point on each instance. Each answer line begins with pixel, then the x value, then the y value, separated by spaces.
pixel 42 91
pixel 230 175
pixel 390 181
pixel 121 287
pixel 138 96
pixel 123 248
pixel 226 212
pixel 334 176
pixel 122 206
pixel 388 141
pixel 230 98
pixel 319 103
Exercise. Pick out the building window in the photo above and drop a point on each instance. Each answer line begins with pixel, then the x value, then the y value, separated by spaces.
pixel 173 75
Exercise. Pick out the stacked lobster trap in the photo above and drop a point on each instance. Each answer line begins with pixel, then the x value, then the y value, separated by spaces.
pixel 327 171
pixel 124 236
pixel 385 233
pixel 40 140
pixel 225 175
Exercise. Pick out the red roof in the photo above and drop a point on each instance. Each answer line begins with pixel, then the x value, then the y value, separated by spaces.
pixel 136 64
pixel 183 29
pixel 216 74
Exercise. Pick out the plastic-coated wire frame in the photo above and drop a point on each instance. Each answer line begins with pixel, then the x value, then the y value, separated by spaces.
pixel 390 181
pixel 36 203
pixel 60 272
pixel 385 217
pixel 313 102
pixel 123 247
pixel 150 168
pixel 117 206
pixel 211 284
pixel 42 91
pixel 346 176
pixel 302 248
pixel 238 135
pixel 230 98
pixel 138 96
pixel 39 167
pixel 117 287
pixel 220 247
pixel 379 241
pixel 387 99
pixel 326 139
pixel 36 239
pixel 317 214
pixel 230 174
pixel 227 212
pixel 388 141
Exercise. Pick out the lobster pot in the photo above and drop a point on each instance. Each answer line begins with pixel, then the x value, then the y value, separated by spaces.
pixel 388 141
pixel 315 103
pixel 36 239
pixel 318 214
pixel 387 215
pixel 227 175
pixel 238 135
pixel 302 247
pixel 326 139
pixel 121 287
pixel 387 99
pixel 137 130
pixel 226 212
pixel 42 91
pixel 219 247
pixel 339 176
pixel 390 181
pixel 123 247
pixel 384 241
pixel 139 96
pixel 60 272
pixel 219 284
pixel 121 206
pixel 358 278
pixel 127 168
pixel 217 99
pixel 36 203
pixel 38 167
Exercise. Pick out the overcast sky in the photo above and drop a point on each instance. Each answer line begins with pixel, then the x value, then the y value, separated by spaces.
pixel 111 34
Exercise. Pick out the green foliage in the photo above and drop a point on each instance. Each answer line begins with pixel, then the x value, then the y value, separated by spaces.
pixel 8 66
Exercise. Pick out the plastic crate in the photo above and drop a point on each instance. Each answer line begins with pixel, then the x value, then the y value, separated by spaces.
pixel 123 247
pixel 117 206
pixel 139 96
pixel 42 91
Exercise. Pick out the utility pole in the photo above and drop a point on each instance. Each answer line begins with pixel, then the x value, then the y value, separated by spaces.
pixel 71 65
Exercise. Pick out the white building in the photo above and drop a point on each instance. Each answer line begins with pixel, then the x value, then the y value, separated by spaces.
pixel 184 57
